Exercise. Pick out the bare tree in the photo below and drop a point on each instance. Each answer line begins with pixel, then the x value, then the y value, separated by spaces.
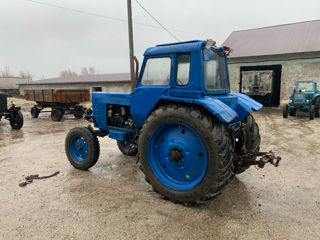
pixel 27 74
pixel 67 72
pixel 5 72
pixel 88 71
pixel 92 70
pixel 84 71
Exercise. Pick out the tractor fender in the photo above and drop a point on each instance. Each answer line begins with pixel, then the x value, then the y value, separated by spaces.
pixel 316 96
pixel 219 109
pixel 245 105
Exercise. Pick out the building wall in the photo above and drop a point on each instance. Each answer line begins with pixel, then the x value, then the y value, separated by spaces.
pixel 10 84
pixel 106 87
pixel 294 68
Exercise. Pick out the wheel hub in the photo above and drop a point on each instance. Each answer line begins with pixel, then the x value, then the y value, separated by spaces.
pixel 176 155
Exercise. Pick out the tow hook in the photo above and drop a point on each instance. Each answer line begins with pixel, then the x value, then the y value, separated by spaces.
pixel 265 157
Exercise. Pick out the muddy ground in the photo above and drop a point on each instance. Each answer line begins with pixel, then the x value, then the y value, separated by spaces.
pixel 112 200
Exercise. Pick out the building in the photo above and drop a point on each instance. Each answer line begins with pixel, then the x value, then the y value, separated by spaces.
pixel 265 62
pixel 10 84
pixel 116 82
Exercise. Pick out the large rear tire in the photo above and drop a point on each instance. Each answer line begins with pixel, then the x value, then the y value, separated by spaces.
pixel 252 144
pixel 82 148
pixel 317 107
pixel 16 121
pixel 185 156
pixel 126 148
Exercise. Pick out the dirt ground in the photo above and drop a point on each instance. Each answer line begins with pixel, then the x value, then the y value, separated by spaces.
pixel 112 200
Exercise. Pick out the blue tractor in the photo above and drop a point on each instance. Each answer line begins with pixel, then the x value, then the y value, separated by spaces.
pixel 305 97
pixel 190 132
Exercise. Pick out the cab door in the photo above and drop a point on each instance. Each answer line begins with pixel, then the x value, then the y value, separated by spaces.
pixel 154 82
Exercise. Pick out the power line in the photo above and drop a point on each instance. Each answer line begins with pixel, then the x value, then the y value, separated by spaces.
pixel 100 15
pixel 157 20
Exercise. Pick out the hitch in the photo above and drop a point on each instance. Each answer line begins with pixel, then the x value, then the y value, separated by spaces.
pixel 265 157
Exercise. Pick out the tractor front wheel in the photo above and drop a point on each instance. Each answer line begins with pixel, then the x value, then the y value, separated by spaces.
pixel 82 148
pixel 285 111
pixel 185 156
pixel 312 112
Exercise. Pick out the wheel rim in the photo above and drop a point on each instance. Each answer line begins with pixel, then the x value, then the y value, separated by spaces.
pixel 177 156
pixel 78 148
pixel 55 115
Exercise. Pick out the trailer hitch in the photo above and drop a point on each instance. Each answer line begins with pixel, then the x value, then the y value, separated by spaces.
pixel 265 157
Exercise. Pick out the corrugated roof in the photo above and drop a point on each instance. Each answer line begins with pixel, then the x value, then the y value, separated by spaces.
pixel 96 78
pixel 291 38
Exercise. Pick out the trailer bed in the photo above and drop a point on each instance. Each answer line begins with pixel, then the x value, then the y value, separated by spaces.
pixel 58 96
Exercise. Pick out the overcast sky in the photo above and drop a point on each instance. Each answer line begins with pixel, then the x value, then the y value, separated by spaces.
pixel 46 40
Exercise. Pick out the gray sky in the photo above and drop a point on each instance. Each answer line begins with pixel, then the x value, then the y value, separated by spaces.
pixel 46 40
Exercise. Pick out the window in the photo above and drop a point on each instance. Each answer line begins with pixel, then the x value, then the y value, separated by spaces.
pixel 183 70
pixel 215 72
pixel 96 89
pixel 157 72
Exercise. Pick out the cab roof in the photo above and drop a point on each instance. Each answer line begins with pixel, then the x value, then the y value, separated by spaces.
pixel 188 46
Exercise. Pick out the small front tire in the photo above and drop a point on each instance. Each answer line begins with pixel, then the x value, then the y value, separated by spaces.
pixel 312 112
pixel 82 148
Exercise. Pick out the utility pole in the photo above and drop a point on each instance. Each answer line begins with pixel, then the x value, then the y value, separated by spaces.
pixel 131 44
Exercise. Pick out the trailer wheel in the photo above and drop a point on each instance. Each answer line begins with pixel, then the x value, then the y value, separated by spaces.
pixel 285 111
pixel 56 115
pixel 126 148
pixel 312 112
pixel 252 144
pixel 82 148
pixel 184 155
pixel 16 121
pixel 35 112
pixel 78 115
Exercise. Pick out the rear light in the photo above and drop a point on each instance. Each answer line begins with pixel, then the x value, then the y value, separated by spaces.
pixel 227 49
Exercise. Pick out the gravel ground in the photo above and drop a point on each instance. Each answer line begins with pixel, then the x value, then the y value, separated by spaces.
pixel 112 200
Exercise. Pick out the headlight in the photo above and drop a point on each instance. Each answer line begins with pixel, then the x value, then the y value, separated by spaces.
pixel 13 102
pixel 290 100
pixel 307 101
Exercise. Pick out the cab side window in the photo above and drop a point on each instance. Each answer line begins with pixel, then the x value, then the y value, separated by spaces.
pixel 157 72
pixel 183 70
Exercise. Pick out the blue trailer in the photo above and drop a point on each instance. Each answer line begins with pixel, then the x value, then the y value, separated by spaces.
pixel 190 132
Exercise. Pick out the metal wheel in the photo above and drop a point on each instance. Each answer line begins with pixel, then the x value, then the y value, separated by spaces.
pixel 82 148
pixel 56 115
pixel 177 156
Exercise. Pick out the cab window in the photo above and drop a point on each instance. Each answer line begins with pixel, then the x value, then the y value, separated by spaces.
pixel 157 72
pixel 183 70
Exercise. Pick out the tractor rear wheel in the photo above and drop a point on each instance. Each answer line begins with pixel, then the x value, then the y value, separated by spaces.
pixel 252 144
pixel 82 148
pixel 185 156
pixel 34 112
pixel 312 112
pixel 56 114
pixel 16 121
pixel 285 111
pixel 126 148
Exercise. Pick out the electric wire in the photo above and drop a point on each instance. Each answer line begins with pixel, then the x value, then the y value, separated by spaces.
pixel 157 20
pixel 106 17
